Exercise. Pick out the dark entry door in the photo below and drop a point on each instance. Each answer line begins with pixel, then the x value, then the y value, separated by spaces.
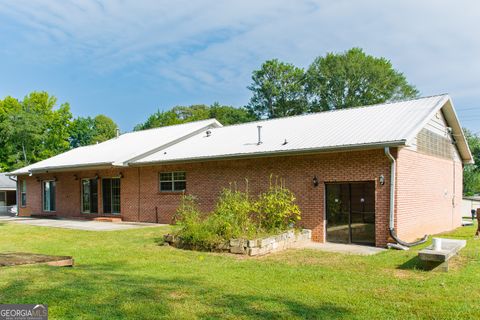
pixel 350 210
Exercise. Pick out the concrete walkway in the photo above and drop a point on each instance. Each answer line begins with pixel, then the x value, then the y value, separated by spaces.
pixel 343 248
pixel 88 225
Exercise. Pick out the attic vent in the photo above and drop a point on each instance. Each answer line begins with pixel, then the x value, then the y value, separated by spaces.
pixel 209 133
pixel 117 132
pixel 259 135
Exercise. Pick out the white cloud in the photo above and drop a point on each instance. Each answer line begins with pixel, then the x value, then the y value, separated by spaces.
pixel 214 45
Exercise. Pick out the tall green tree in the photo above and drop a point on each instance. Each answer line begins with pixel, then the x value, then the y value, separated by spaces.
pixel 183 114
pixel 32 129
pixel 471 173
pixel 353 78
pixel 104 128
pixel 278 90
pixel 81 132
pixel 86 130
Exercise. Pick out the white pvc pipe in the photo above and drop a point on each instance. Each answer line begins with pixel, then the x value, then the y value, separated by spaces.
pixel 392 188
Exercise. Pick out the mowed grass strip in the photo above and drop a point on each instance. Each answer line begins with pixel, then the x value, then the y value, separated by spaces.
pixel 126 274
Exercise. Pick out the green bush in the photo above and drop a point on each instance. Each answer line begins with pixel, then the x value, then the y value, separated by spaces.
pixel 195 230
pixel 236 216
pixel 233 214
pixel 276 209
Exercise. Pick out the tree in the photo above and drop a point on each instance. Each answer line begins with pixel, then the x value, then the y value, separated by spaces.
pixel 228 115
pixel 104 128
pixel 278 90
pixel 81 132
pixel 86 131
pixel 33 129
pixel 471 173
pixel 183 114
pixel 352 79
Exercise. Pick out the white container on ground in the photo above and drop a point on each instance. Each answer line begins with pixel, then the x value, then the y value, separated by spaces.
pixel 437 244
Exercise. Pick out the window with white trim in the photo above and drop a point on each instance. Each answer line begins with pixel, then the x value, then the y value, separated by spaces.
pixel 23 193
pixel 173 181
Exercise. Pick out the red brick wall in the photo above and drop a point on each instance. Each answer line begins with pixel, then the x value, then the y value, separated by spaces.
pixel 425 188
pixel 206 179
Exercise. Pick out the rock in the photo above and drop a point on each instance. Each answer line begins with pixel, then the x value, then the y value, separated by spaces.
pixel 252 243
pixel 238 249
pixel 236 242
pixel 169 238
pixel 265 242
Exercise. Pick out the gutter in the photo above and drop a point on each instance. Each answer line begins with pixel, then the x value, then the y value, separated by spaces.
pixel 391 226
pixel 274 153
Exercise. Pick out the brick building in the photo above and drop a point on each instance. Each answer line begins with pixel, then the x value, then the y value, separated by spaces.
pixel 363 175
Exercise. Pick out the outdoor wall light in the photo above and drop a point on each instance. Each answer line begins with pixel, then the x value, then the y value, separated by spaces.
pixel 315 181
pixel 75 176
pixel 55 178
pixel 382 180
pixel 96 176
pixel 120 175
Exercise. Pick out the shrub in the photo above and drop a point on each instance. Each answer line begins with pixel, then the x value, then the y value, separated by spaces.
pixel 236 216
pixel 276 209
pixel 233 214
pixel 195 230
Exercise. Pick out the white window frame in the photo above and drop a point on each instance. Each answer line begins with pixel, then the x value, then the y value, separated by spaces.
pixel 172 181
pixel 23 183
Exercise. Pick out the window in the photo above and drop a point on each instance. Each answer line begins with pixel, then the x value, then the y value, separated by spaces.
pixel 23 193
pixel 111 195
pixel 172 181
pixel 89 195
pixel 49 195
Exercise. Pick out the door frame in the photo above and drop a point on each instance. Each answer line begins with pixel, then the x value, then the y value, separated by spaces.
pixel 325 218
pixel 5 201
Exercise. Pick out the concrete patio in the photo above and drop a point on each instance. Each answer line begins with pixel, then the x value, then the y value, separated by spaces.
pixel 343 248
pixel 87 225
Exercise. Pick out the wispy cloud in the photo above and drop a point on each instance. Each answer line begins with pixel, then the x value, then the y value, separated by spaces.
pixel 210 47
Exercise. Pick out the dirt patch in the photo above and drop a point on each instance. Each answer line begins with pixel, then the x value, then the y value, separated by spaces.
pixel 20 258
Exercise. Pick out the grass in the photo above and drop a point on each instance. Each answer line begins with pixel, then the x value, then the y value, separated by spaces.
pixel 126 274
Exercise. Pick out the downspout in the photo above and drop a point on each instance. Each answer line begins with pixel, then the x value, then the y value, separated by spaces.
pixel 391 226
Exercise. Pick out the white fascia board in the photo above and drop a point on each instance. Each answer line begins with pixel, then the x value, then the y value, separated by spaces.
pixel 424 122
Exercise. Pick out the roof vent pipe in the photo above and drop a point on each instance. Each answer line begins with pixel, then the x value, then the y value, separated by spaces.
pixel 117 132
pixel 259 135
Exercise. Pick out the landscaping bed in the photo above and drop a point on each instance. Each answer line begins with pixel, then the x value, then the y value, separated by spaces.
pixel 241 223
pixel 254 247
pixel 20 258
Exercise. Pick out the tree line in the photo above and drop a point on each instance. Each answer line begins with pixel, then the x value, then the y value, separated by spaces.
pixel 280 89
pixel 36 127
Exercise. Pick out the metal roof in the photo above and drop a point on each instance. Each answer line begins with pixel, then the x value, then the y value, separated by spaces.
pixel 118 151
pixel 6 183
pixel 390 124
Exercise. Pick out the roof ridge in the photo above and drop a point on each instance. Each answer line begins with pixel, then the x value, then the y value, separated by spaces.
pixel 173 125
pixel 334 110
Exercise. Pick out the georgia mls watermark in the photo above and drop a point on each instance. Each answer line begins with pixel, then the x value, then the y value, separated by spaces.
pixel 23 312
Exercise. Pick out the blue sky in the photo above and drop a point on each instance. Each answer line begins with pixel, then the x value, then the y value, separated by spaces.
pixel 127 59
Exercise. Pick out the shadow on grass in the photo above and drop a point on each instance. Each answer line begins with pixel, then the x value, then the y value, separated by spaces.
pixel 108 292
pixel 413 264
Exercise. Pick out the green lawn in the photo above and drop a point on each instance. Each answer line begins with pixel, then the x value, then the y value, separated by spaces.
pixel 126 274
